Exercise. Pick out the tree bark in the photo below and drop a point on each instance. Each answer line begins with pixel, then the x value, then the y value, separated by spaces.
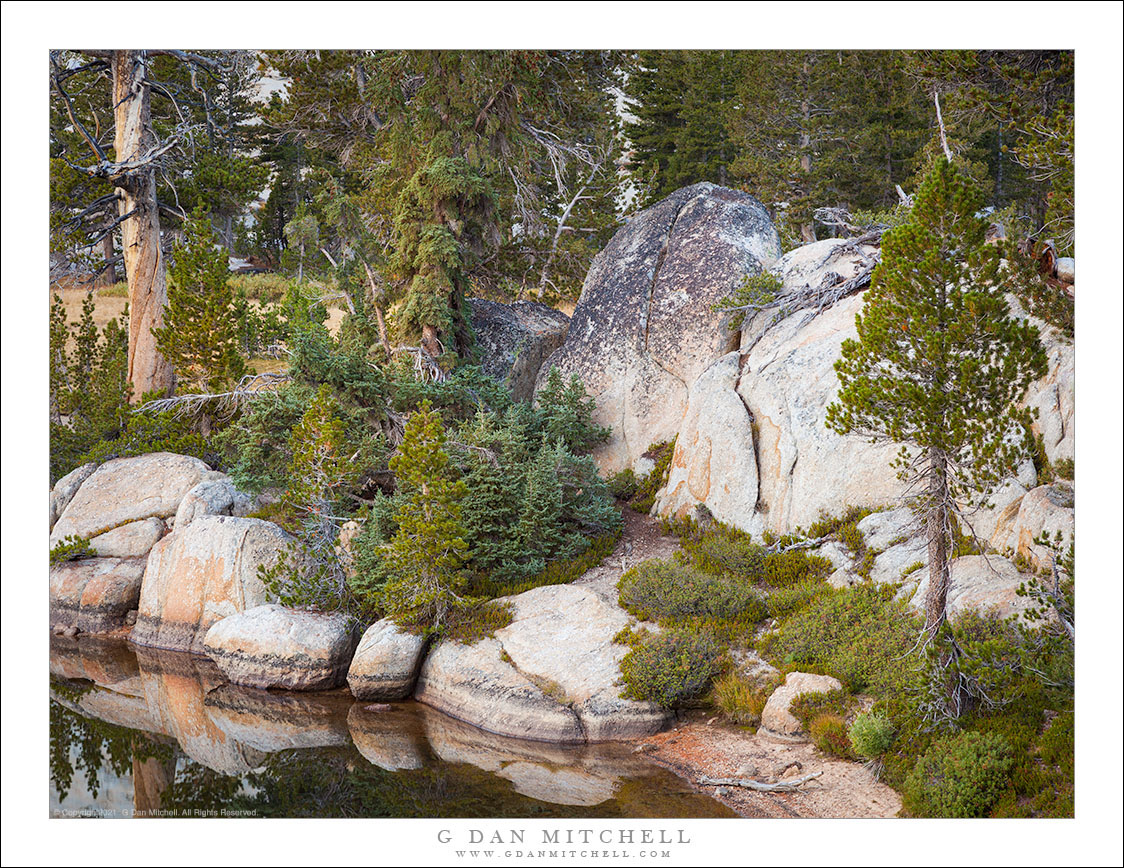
pixel 108 275
pixel 937 531
pixel 148 370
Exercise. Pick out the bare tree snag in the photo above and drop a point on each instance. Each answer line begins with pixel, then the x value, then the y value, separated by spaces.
pixel 148 370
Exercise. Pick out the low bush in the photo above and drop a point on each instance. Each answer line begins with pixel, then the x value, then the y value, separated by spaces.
pixel 71 548
pixel 673 669
pixel 959 776
pixel 726 550
pixel 860 635
pixel 739 699
pixel 470 624
pixel 671 591
pixel 806 707
pixel 829 734
pixel 871 735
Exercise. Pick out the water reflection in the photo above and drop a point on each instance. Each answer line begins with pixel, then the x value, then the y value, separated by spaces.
pixel 146 733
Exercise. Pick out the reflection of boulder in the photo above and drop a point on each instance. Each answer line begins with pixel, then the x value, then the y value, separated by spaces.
pixel 555 773
pixel 392 739
pixel 175 689
pixel 106 662
pixel 558 786
pixel 271 722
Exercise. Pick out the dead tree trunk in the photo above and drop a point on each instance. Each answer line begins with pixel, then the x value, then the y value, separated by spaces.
pixel 108 275
pixel 148 370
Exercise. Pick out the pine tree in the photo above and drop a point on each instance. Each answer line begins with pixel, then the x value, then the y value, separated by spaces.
pixel 199 336
pixel 940 364
pixel 679 101
pixel 424 560
pixel 540 521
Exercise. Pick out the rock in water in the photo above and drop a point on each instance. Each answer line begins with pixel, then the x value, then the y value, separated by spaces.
pixel 127 490
pixel 643 329
pixel 95 595
pixel 552 674
pixel 776 716
pixel 275 646
pixel 514 339
pixel 202 573
pixel 385 665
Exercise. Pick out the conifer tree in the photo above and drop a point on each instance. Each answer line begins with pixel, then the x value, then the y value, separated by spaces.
pixel 199 336
pixel 424 560
pixel 940 364
pixel 540 521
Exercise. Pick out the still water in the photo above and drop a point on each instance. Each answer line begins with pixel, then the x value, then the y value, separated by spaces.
pixel 139 733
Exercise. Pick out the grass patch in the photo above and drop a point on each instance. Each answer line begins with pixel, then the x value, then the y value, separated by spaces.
pixel 481 621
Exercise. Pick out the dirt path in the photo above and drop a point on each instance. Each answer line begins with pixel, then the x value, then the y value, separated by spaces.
pixel 640 541
pixel 694 749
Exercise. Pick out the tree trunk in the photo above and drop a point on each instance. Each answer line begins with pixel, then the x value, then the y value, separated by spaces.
pixel 140 234
pixel 108 275
pixel 937 530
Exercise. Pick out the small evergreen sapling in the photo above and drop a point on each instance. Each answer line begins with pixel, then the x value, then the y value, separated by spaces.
pixel 425 558
pixel 199 336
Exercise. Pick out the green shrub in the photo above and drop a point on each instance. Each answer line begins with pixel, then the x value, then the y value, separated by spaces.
pixel 470 624
pixel 1057 743
pixel 806 707
pixel 960 776
pixel 788 569
pixel 726 550
pixel 623 485
pixel 860 635
pixel 672 669
pixel 783 601
pixel 648 487
pixel 667 590
pixel 871 735
pixel 71 548
pixel 829 734
pixel 738 699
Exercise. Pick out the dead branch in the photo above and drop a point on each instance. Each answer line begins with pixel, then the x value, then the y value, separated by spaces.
pixel 224 404
pixel 760 786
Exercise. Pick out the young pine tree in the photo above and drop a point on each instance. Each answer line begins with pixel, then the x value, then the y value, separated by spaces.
pixel 940 364
pixel 424 560
pixel 199 336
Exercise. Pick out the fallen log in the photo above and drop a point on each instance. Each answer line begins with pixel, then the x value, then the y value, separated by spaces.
pixel 760 786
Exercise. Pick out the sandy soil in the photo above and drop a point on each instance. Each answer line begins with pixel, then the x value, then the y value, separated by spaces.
pixel 703 746
pixel 845 789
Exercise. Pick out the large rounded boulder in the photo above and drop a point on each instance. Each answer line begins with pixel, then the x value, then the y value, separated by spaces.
pixel 203 573
pixel 552 674
pixel 644 327
pixel 514 339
